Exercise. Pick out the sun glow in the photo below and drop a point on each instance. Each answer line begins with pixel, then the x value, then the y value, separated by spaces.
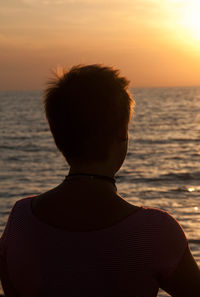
pixel 190 18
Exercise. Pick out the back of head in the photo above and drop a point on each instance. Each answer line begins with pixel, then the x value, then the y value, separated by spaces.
pixel 88 108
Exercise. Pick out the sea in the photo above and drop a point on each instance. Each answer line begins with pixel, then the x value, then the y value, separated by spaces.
pixel 162 168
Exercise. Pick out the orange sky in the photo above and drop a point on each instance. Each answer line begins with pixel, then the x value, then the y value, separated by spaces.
pixel 153 42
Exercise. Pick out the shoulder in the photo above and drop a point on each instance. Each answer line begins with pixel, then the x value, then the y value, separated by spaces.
pixel 23 202
pixel 16 217
pixel 169 235
pixel 168 224
pixel 170 240
pixel 157 217
pixel 153 211
pixel 21 207
pixel 160 217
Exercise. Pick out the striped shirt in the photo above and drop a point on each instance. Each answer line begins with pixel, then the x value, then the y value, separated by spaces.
pixel 126 259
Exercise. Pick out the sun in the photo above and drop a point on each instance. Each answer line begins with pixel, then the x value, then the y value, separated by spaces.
pixel 190 18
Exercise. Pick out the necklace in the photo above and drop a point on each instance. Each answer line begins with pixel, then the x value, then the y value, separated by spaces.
pixel 91 176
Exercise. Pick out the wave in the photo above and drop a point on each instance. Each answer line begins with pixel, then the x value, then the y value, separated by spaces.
pixel 194 241
pixel 184 176
pixel 164 141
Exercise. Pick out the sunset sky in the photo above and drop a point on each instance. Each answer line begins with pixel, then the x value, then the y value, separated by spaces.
pixel 153 42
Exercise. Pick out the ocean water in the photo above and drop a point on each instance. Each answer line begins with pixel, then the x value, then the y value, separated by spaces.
pixel 162 168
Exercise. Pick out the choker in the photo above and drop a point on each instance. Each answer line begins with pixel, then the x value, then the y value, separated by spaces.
pixel 91 176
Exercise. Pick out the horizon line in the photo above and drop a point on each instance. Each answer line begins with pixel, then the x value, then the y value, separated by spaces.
pixel 131 87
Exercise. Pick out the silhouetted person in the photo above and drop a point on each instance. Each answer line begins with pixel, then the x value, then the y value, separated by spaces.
pixel 81 238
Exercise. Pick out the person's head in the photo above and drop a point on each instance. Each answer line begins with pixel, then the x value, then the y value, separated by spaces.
pixel 88 109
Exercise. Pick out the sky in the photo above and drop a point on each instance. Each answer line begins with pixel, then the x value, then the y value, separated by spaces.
pixel 155 43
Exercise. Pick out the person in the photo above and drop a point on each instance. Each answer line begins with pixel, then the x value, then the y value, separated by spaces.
pixel 82 238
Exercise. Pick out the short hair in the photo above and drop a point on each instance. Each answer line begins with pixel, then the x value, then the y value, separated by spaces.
pixel 87 108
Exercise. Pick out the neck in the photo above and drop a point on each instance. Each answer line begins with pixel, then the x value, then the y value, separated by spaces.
pixel 91 180
pixel 92 171
pixel 91 177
